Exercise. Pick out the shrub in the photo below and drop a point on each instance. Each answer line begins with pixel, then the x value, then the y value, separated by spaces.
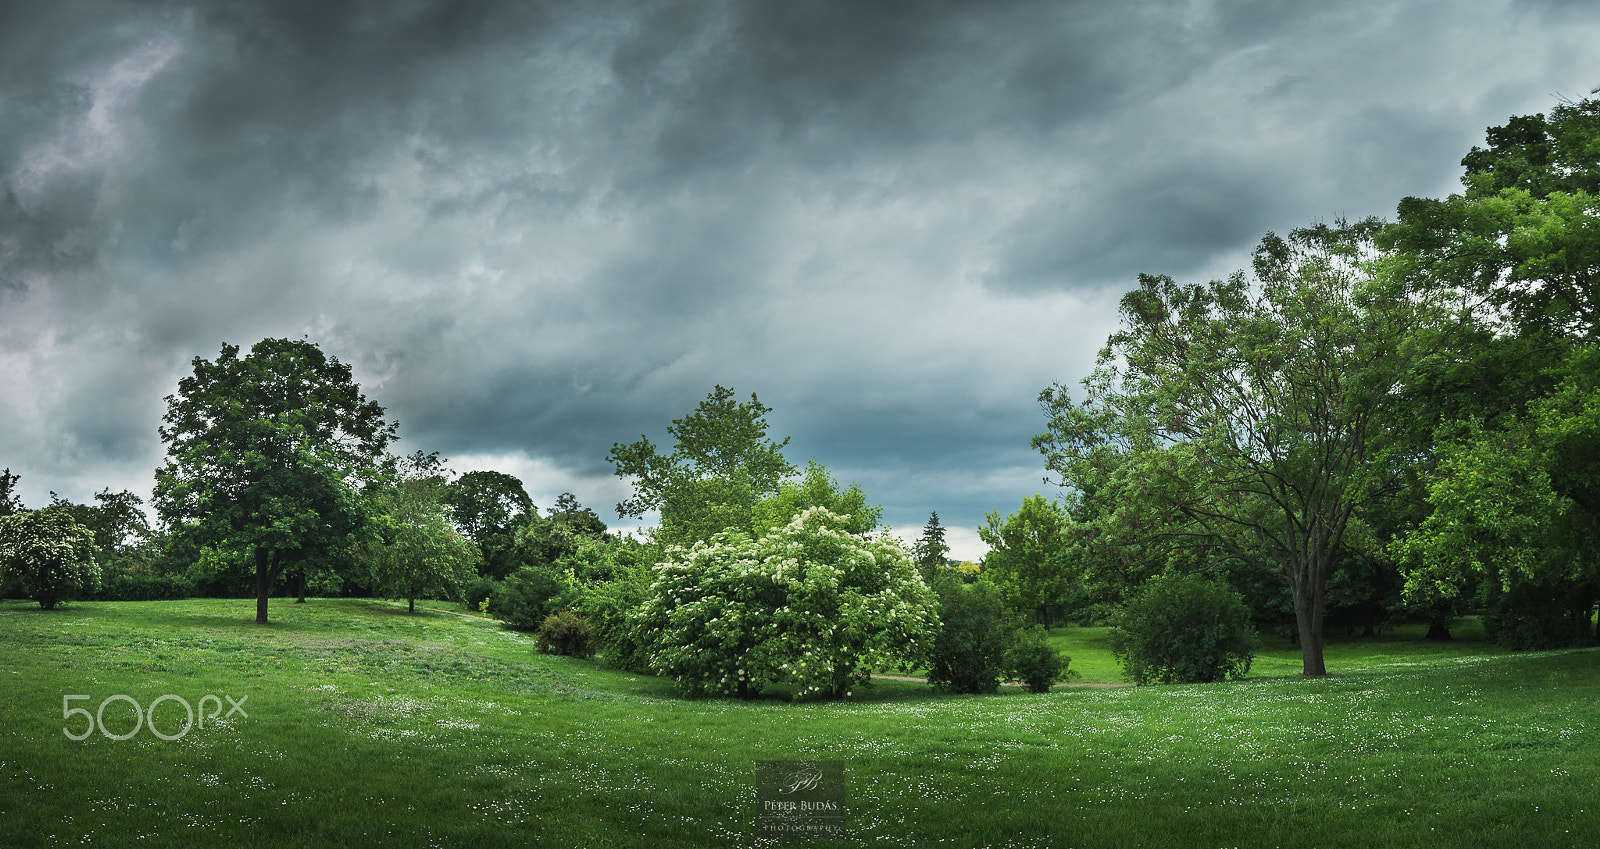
pixel 1037 664
pixel 608 605
pixel 1183 629
pixel 528 595
pixel 565 632
pixel 810 604
pixel 477 591
pixel 976 633
pixel 50 555
pixel 146 587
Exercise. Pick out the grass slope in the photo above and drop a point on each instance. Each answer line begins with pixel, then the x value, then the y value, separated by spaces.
pixel 369 727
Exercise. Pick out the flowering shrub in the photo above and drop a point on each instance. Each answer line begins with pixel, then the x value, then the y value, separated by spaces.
pixel 809 604
pixel 50 555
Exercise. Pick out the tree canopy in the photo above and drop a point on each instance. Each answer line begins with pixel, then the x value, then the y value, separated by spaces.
pixel 267 455
pixel 1253 411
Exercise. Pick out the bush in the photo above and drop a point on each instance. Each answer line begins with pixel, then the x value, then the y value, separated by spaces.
pixel 49 555
pixel 607 606
pixel 528 595
pixel 976 633
pixel 1037 664
pixel 565 632
pixel 478 590
pixel 811 605
pixel 1183 629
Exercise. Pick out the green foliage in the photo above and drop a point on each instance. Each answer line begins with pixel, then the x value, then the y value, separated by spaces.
pixel 565 632
pixel 809 605
pixel 608 605
pixel 976 635
pixel 145 587
pixel 530 594
pixel 1037 664
pixel 490 508
pixel 418 553
pixel 1184 629
pixel 815 488
pixel 930 552
pixel 1254 416
pixel 266 455
pixel 722 464
pixel 9 501
pixel 1028 556
pixel 49 556
pixel 477 590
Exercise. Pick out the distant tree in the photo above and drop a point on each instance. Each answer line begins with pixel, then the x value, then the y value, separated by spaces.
pixel 267 455
pixel 976 635
pixel 815 487
pixel 418 553
pixel 9 502
pixel 931 552
pixel 722 464
pixel 1028 556
pixel 49 555
pixel 488 507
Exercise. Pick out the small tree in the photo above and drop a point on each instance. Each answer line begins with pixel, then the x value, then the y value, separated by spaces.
pixel 931 553
pixel 1028 556
pixel 1183 629
pixel 810 605
pixel 50 554
pixel 976 635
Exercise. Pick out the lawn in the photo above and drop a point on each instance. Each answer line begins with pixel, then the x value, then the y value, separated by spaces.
pixel 359 725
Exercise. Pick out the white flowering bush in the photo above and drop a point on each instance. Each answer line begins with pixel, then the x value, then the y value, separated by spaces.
pixel 49 555
pixel 810 604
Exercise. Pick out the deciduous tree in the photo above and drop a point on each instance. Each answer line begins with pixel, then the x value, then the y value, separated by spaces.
pixel 267 454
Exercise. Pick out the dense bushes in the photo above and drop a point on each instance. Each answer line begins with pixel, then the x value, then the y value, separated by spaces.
pixel 479 590
pixel 528 595
pixel 976 635
pixel 49 556
pixel 146 587
pixel 1183 629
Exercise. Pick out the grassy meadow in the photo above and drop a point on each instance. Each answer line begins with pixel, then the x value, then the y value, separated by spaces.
pixel 360 725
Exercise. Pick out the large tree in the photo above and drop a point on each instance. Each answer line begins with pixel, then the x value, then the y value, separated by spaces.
pixel 1253 412
pixel 721 466
pixel 267 455
pixel 1511 507
pixel 489 507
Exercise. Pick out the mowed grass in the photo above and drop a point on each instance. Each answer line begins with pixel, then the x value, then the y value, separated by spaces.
pixel 369 727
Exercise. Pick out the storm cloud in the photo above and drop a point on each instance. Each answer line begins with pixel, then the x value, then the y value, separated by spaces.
pixel 536 229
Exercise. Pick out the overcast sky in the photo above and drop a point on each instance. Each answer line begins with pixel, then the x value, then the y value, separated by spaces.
pixel 539 229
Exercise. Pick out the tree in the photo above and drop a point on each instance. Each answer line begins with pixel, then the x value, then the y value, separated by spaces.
pixel 811 604
pixel 815 488
pixel 418 552
pixel 1253 414
pixel 9 502
pixel 49 554
pixel 489 507
pixel 1027 556
pixel 722 464
pixel 930 552
pixel 976 636
pixel 267 454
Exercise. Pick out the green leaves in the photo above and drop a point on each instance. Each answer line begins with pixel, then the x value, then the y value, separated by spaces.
pixel 49 554
pixel 811 605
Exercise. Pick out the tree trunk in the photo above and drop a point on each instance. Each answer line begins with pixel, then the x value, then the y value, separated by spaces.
pixel 302 585
pixel 264 576
pixel 411 605
pixel 1438 630
pixel 1307 592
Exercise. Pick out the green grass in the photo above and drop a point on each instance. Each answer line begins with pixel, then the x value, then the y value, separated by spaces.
pixel 369 727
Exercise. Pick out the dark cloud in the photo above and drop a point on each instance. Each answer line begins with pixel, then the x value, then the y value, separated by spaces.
pixel 536 229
